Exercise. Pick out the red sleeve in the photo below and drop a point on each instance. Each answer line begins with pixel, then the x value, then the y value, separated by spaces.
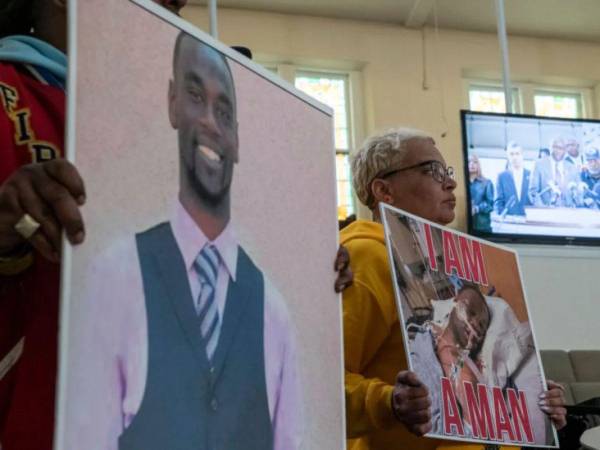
pixel 31 130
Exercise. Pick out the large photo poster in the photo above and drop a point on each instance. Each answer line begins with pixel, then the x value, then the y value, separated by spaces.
pixel 468 333
pixel 200 313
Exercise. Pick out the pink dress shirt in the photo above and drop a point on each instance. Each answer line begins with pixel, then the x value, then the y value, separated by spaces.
pixel 112 357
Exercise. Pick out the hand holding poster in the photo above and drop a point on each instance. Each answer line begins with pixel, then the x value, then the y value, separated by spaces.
pixel 467 332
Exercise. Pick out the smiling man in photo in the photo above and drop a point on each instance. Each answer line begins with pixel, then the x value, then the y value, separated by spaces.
pixel 195 348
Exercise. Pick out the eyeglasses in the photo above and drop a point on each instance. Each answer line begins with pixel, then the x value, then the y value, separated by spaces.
pixel 438 172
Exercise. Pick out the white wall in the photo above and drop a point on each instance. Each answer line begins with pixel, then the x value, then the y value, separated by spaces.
pixel 562 289
pixel 560 282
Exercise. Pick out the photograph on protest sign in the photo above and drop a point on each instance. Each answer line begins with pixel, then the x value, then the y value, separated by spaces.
pixel 210 239
pixel 468 333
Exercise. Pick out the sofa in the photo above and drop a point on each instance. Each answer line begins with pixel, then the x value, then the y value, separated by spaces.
pixel 577 370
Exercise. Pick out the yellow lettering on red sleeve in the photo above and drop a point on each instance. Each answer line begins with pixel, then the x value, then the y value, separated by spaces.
pixel 9 97
pixel 43 151
pixel 23 131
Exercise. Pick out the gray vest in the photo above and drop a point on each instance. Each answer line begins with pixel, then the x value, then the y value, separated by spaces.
pixel 190 403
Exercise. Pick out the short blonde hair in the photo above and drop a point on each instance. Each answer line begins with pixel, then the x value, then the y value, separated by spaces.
pixel 380 153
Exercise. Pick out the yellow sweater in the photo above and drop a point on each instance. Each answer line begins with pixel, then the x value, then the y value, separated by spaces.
pixel 374 350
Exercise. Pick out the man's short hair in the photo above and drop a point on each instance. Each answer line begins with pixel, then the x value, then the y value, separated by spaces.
pixel 593 152
pixel 474 288
pixel 513 144
pixel 558 141
pixel 178 40
pixel 380 153
pixel 183 35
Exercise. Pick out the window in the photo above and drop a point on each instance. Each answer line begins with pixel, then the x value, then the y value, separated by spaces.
pixel 486 99
pixel 530 98
pixel 332 90
pixel 490 99
pixel 558 104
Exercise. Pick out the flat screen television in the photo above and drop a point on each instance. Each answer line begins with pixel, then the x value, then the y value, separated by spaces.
pixel 532 179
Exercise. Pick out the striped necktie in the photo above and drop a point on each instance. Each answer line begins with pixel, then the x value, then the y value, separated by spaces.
pixel 207 266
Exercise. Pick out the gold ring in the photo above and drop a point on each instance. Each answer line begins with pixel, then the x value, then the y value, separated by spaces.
pixel 27 226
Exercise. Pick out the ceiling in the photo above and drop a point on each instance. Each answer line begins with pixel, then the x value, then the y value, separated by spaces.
pixel 559 19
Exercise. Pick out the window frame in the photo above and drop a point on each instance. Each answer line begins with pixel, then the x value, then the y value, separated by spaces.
pixel 566 93
pixel 495 87
pixel 527 92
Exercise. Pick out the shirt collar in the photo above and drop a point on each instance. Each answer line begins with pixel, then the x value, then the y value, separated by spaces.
pixel 191 240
